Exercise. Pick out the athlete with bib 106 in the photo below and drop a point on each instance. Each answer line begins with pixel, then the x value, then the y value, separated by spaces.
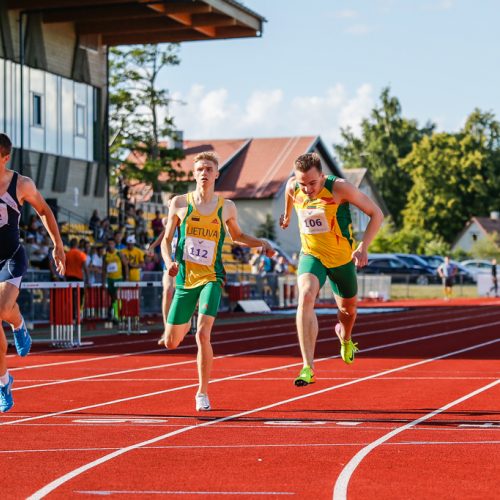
pixel 203 219
pixel 16 189
pixel 322 206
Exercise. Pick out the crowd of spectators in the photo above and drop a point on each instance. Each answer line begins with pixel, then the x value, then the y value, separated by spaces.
pixel 86 256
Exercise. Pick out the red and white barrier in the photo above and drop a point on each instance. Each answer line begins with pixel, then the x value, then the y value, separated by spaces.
pixel 65 314
pixel 129 305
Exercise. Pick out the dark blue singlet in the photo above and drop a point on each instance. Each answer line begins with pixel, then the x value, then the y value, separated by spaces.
pixel 12 256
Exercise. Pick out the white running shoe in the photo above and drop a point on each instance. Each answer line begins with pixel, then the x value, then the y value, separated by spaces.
pixel 202 402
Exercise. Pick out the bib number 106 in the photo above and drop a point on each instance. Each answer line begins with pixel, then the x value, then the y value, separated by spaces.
pixel 313 223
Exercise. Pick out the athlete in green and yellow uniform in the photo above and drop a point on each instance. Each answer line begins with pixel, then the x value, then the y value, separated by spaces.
pixel 202 218
pixel 322 206
pixel 112 272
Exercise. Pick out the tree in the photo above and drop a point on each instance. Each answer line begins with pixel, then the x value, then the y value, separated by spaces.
pixel 267 229
pixel 139 117
pixel 386 138
pixel 455 177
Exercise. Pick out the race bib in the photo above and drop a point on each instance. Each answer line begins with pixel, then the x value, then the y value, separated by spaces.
pixel 313 221
pixel 4 215
pixel 199 251
pixel 112 267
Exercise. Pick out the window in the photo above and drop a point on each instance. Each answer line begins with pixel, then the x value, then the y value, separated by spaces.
pixel 36 110
pixel 80 120
pixel 474 237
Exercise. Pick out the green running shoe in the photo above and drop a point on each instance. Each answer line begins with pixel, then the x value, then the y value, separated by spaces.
pixel 306 377
pixel 347 350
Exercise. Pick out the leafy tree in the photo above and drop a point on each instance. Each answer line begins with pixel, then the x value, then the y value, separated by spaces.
pixel 455 177
pixel 267 229
pixel 386 138
pixel 139 117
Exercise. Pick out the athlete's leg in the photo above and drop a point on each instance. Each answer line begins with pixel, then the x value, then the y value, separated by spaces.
pixel 307 322
pixel 205 354
pixel 179 315
pixel 208 306
pixel 168 283
pixel 346 315
pixel 9 310
pixel 3 351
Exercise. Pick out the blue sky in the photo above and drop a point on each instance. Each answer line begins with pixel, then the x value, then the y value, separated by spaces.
pixel 321 64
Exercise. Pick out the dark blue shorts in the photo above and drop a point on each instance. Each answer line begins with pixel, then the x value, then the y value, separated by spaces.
pixel 13 269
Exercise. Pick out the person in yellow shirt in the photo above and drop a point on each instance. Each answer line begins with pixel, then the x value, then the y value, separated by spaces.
pixel 328 251
pixel 114 269
pixel 135 259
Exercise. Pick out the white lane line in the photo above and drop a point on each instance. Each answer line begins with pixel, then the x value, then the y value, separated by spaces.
pixel 76 472
pixel 340 490
pixel 283 346
pixel 266 370
pixel 168 492
pixel 256 445
pixel 218 332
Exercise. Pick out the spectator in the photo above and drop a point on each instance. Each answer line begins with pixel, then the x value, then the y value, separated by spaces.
pixel 149 262
pixel 140 228
pixel 94 223
pixel 494 278
pixel 104 231
pixel 157 224
pixel 94 264
pixel 113 270
pixel 118 237
pixel 255 262
pixel 237 252
pixel 447 271
pixel 266 264
pixel 135 259
pixel 34 253
pixel 76 267
pixel 281 266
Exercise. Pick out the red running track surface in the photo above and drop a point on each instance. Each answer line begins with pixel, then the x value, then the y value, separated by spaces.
pixel 416 415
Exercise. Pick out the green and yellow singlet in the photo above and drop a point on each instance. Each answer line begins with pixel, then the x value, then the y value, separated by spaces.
pixel 325 227
pixel 199 250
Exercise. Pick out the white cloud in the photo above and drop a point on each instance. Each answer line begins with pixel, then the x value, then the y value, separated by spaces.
pixel 358 29
pixel 212 114
pixel 439 5
pixel 346 14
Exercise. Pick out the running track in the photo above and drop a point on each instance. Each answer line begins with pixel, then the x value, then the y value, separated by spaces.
pixel 416 416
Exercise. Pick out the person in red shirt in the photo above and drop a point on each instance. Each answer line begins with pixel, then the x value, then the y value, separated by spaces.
pixel 76 267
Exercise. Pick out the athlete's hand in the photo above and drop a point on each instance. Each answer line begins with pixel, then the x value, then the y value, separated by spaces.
pixel 284 221
pixel 360 256
pixel 59 259
pixel 173 268
pixel 268 249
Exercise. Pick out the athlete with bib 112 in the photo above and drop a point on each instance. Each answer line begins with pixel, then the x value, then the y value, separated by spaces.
pixel 203 219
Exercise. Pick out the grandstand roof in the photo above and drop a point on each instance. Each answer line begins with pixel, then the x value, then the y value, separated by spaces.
pixel 126 22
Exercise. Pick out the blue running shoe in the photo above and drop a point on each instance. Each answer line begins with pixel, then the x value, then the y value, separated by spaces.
pixel 22 340
pixel 6 400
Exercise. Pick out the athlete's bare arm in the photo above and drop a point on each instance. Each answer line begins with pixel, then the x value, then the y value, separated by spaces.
pixel 349 193
pixel 285 217
pixel 159 239
pixel 27 191
pixel 230 217
pixel 177 212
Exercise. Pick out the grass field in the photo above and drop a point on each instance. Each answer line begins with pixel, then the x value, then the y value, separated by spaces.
pixel 412 291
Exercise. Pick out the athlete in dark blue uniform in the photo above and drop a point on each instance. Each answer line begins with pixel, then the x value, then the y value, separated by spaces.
pixel 15 189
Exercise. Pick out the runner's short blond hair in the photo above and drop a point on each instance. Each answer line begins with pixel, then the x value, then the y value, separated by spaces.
pixel 207 155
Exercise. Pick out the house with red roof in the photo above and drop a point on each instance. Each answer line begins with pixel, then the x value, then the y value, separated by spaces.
pixel 254 172
pixel 477 229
